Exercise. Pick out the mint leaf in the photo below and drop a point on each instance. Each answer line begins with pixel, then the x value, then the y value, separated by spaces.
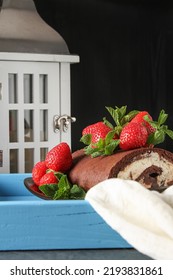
pixel 106 122
pixel 86 139
pixel 156 138
pixel 88 150
pixel 162 117
pixel 97 153
pixel 117 114
pixel 110 148
pixel 109 136
pixel 77 192
pixel 127 118
pixel 161 130
pixel 49 189
pixel 63 190
pixel 169 133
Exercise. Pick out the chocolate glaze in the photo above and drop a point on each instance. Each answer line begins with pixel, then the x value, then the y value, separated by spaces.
pixel 87 171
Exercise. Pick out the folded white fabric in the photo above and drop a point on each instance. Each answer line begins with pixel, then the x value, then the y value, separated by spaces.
pixel 143 218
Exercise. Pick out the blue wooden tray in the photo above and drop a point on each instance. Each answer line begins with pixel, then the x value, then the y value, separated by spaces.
pixel 31 223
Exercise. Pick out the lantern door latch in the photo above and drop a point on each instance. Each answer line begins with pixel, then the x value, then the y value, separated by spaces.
pixel 61 123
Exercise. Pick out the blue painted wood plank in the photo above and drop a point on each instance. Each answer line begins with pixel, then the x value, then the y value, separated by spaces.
pixel 30 223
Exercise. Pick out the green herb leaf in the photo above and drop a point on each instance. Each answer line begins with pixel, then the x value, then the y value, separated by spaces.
pixel 162 117
pixel 117 114
pixel 77 192
pixel 127 118
pixel 97 153
pixel 109 136
pixel 169 133
pixel 161 129
pixel 90 149
pixel 110 148
pixel 106 122
pixel 86 139
pixel 62 193
pixel 49 189
pixel 156 138
pixel 63 189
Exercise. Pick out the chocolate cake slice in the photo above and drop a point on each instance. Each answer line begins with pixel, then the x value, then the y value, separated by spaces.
pixel 152 167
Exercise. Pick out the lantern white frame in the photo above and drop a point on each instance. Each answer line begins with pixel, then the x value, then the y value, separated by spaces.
pixel 57 70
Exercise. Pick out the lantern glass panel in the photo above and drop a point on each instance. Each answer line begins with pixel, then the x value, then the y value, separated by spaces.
pixel 29 160
pixel 43 152
pixel 28 125
pixel 28 88
pixel 14 161
pixel 12 84
pixel 43 125
pixel 43 85
pixel 13 126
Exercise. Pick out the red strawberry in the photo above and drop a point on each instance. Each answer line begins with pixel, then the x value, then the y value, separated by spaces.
pixel 59 158
pixel 98 130
pixel 38 171
pixel 35 188
pixel 139 118
pixel 48 178
pixel 133 135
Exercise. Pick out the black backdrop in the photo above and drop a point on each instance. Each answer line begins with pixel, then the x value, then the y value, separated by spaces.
pixel 126 56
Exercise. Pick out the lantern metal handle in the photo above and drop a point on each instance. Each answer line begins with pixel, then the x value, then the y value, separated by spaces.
pixel 61 123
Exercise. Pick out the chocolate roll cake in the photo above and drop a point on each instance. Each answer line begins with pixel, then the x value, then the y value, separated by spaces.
pixel 152 167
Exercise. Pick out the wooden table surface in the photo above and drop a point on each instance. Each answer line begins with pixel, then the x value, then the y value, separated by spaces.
pixel 89 254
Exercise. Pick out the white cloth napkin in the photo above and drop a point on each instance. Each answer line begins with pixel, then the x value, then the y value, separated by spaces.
pixel 143 218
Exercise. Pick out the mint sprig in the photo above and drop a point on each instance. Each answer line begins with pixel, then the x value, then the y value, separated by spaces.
pixel 108 145
pixel 120 117
pixel 161 130
pixel 63 189
pixel 102 147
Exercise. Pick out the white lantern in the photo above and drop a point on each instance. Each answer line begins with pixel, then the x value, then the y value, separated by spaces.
pixel 34 87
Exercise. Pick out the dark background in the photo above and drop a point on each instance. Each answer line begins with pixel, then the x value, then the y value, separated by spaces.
pixel 126 56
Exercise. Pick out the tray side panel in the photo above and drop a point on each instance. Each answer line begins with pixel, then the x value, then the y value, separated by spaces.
pixel 13 184
pixel 62 225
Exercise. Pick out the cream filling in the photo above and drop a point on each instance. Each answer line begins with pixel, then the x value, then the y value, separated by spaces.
pixel 134 169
